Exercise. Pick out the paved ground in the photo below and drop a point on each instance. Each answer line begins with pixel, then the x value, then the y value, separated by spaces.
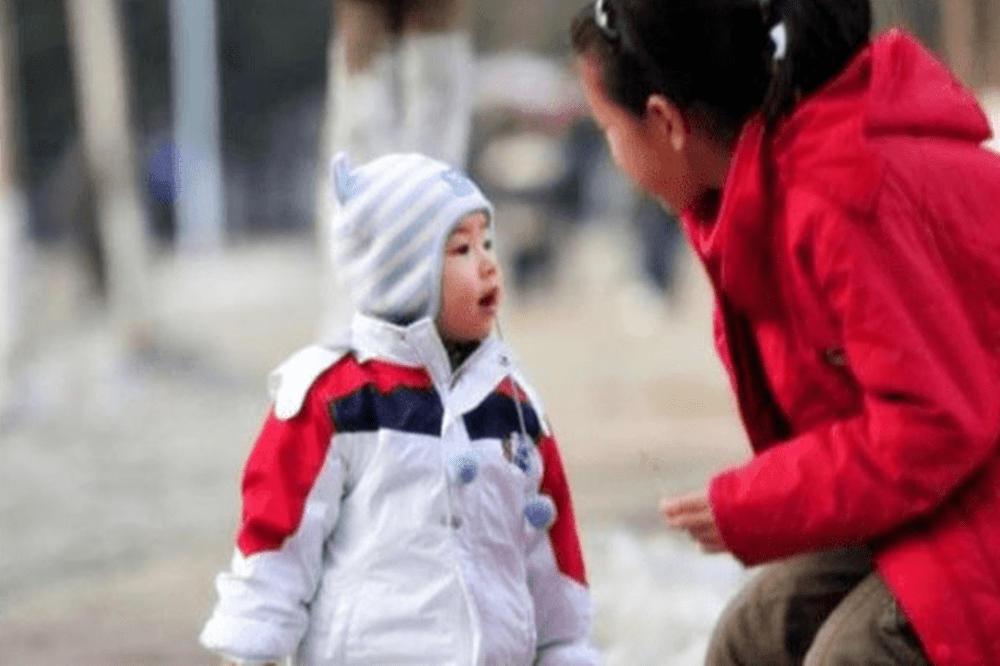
pixel 119 472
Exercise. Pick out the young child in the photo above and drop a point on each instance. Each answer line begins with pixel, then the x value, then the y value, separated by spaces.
pixel 405 502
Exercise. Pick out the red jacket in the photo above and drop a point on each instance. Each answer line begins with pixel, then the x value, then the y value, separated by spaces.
pixel 855 254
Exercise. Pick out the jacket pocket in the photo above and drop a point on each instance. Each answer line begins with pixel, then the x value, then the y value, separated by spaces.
pixel 406 627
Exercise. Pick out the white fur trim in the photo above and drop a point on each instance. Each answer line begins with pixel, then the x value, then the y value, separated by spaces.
pixel 290 382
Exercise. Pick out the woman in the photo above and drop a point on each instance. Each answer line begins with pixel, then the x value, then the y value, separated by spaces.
pixel 837 192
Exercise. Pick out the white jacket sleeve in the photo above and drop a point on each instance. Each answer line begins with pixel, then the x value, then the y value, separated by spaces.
pixel 556 577
pixel 291 490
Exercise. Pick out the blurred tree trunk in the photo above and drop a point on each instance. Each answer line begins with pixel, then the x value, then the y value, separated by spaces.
pixel 195 95
pixel 11 208
pixel 103 105
pixel 958 37
pixel 991 48
pixel 921 17
pixel 400 77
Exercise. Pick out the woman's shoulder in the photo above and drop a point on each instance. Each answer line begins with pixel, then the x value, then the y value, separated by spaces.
pixel 892 180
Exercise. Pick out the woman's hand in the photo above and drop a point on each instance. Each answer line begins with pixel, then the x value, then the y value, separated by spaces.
pixel 693 514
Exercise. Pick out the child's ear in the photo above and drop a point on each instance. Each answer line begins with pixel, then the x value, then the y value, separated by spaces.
pixel 666 120
pixel 343 180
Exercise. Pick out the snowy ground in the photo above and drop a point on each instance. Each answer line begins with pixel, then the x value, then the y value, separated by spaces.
pixel 119 471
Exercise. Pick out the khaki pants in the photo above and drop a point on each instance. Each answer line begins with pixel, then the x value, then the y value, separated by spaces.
pixel 825 609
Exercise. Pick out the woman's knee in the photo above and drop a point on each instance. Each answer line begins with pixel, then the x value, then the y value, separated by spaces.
pixel 775 617
pixel 868 627
pixel 749 631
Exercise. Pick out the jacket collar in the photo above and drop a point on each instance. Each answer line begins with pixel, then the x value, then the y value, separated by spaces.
pixel 415 345
pixel 733 235
pixel 420 345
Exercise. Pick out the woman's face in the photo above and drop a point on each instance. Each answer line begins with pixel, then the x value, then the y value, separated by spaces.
pixel 641 148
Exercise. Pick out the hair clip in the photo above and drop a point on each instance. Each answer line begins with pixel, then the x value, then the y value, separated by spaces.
pixel 779 35
pixel 613 24
pixel 602 17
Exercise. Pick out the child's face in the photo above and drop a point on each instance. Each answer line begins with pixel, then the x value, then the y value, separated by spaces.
pixel 471 284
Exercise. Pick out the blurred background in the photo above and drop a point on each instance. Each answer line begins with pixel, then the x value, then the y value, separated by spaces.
pixel 162 197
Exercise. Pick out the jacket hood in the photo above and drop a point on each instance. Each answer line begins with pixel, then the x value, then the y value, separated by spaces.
pixel 893 88
pixel 910 92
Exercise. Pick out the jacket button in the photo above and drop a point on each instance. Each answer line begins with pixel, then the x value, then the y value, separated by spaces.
pixel 456 522
pixel 463 469
pixel 540 512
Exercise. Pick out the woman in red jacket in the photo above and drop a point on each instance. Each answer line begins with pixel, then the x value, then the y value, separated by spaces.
pixel 838 194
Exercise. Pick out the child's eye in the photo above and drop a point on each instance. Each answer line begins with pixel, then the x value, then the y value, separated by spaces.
pixel 463 248
pixel 488 244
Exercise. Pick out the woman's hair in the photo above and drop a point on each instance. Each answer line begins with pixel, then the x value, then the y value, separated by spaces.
pixel 716 59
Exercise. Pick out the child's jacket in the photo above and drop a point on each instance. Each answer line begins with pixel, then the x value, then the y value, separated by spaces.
pixel 856 258
pixel 360 543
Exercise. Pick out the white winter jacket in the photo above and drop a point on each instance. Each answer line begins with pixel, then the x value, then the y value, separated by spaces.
pixel 363 539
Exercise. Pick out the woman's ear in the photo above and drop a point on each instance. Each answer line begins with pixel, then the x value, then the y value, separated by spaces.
pixel 667 121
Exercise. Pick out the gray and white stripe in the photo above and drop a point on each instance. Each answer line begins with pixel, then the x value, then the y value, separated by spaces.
pixel 389 227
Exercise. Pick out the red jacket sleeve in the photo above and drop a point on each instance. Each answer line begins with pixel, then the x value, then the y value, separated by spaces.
pixel 280 472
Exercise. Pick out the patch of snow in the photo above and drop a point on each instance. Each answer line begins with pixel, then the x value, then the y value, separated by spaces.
pixel 657 597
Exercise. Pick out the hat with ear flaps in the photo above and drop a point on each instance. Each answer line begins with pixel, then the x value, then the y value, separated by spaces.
pixel 391 219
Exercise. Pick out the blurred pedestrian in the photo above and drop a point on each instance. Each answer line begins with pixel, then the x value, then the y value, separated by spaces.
pixel 405 502
pixel 660 246
pixel 401 78
pixel 838 193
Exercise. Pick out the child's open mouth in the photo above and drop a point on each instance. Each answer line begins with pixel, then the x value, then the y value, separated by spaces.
pixel 491 299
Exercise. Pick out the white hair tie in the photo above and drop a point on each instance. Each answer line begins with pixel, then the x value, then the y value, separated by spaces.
pixel 779 35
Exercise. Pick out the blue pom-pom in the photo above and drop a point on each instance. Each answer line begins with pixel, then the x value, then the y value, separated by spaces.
pixel 540 512
pixel 464 468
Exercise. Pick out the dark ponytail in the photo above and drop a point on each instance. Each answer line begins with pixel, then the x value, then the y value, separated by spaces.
pixel 822 36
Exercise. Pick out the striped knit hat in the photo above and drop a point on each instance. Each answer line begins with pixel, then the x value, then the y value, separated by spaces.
pixel 391 220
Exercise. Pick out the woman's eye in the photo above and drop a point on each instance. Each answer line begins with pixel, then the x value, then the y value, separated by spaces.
pixel 464 248
pixel 488 244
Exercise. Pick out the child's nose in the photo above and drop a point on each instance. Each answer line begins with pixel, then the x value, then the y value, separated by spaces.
pixel 488 263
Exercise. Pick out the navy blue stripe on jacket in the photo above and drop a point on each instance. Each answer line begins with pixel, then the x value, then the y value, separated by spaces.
pixel 496 418
pixel 415 410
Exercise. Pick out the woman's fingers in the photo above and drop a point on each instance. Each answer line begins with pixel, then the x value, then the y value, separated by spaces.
pixel 686 510
pixel 693 514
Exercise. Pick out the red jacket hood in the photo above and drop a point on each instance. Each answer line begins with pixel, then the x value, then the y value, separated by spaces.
pixel 893 88
pixel 908 91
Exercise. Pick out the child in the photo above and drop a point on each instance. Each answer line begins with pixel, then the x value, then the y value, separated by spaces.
pixel 405 502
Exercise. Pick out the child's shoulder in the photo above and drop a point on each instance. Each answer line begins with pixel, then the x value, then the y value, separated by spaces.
pixel 291 381
pixel 336 369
